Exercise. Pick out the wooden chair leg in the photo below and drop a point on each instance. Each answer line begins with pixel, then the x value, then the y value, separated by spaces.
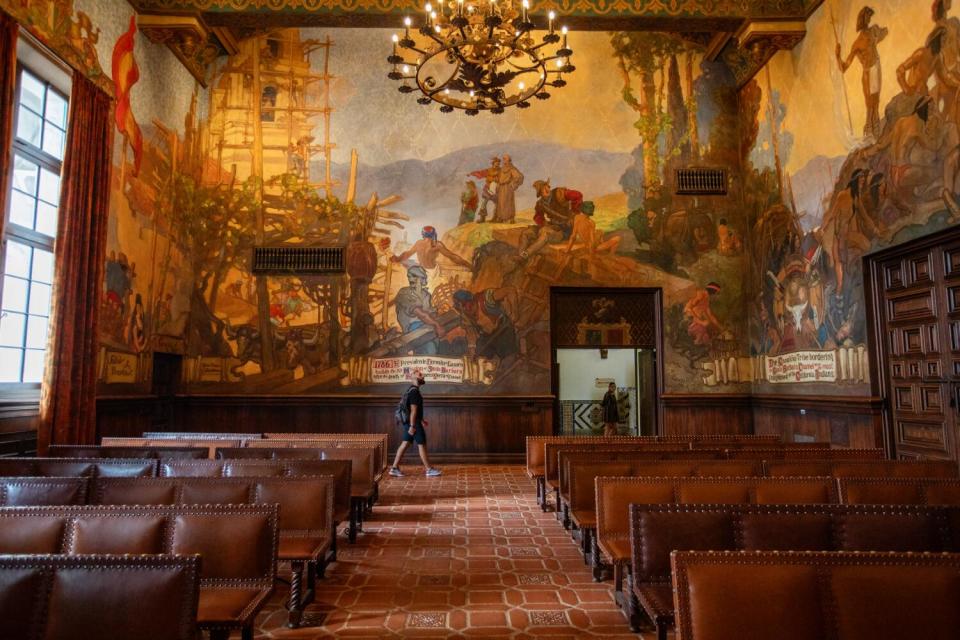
pixel 352 534
pixel 333 545
pixel 219 634
pixel 295 603
pixel 586 542
pixel 247 632
pixel 556 493
pixel 566 517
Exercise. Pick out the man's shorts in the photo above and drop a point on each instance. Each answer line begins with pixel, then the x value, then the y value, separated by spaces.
pixel 419 435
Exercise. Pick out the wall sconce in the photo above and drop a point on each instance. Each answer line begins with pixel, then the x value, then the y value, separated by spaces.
pixel 603 354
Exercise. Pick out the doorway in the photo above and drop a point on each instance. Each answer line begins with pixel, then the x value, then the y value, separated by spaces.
pixel 913 302
pixel 584 376
pixel 599 336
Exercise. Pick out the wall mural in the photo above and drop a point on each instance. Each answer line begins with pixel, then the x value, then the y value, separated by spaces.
pixel 455 227
pixel 834 174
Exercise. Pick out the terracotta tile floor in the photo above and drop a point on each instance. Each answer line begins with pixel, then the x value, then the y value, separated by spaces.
pixel 465 555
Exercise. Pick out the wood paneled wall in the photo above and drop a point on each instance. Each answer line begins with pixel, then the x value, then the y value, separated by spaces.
pixel 844 421
pixel 492 429
pixel 19 419
pixel 467 428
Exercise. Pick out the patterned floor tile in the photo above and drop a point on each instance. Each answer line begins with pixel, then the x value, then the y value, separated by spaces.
pixel 466 555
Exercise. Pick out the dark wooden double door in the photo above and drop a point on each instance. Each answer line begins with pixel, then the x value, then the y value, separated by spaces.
pixel 917 303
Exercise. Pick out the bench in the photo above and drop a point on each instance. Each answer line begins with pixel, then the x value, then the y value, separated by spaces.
pixel 804 453
pixel 863 468
pixel 536 453
pixel 928 491
pixel 306 515
pixel 200 435
pixel 237 545
pixel 31 491
pixel 339 469
pixel 616 494
pixel 210 444
pixel 381 440
pixel 92 596
pixel 582 499
pixel 816 595
pixel 95 451
pixel 79 467
pixel 657 530
pixel 363 478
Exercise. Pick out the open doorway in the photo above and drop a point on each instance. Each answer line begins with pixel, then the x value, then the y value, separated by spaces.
pixel 584 377
pixel 599 336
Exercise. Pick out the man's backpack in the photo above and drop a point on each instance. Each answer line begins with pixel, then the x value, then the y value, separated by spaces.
pixel 402 414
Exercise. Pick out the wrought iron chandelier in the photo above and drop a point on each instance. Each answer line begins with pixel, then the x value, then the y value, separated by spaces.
pixel 479 55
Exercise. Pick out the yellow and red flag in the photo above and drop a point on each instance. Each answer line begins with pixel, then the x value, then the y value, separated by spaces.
pixel 125 75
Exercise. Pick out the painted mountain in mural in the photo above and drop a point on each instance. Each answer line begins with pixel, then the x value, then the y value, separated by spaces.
pixel 431 189
pixel 811 185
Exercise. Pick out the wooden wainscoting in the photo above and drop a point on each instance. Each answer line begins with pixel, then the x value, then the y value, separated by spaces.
pixel 843 421
pixel 475 429
pixel 19 419
pixel 706 413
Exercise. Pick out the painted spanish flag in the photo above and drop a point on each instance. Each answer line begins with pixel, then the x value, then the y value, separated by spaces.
pixel 125 75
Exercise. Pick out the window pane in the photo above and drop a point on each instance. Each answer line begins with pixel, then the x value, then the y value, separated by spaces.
pixel 10 360
pixel 28 127
pixel 18 260
pixel 33 365
pixel 21 209
pixel 47 219
pixel 31 91
pixel 56 110
pixel 36 332
pixel 14 294
pixel 40 299
pixel 42 266
pixel 49 186
pixel 25 175
pixel 53 141
pixel 11 329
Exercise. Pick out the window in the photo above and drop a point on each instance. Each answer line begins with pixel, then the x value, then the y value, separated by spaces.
pixel 40 133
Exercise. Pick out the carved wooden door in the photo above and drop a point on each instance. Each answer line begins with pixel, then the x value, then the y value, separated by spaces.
pixel 920 312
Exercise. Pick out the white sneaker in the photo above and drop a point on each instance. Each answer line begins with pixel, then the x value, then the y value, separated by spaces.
pixel 396 473
pixel 433 473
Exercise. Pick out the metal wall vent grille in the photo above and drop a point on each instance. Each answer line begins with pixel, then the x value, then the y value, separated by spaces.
pixel 298 260
pixel 701 181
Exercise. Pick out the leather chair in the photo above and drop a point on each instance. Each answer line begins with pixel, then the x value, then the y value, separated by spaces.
pixel 930 491
pixel 237 543
pixel 32 491
pixel 306 515
pixel 94 451
pixel 816 595
pixel 864 468
pixel 657 530
pixel 79 467
pixel 129 597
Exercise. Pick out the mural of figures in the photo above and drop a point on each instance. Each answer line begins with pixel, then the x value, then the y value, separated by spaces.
pixel 450 247
pixel 821 196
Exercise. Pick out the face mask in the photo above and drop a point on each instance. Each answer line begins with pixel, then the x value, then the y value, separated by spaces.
pixel 421 382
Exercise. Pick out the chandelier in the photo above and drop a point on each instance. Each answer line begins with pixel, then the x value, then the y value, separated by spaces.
pixel 479 55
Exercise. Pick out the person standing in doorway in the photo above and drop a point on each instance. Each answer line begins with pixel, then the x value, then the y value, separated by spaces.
pixel 611 411
pixel 410 418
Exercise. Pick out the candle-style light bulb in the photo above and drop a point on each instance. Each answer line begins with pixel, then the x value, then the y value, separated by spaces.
pixel 560 62
pixel 395 39
pixel 460 7
pixel 406 27
pixel 436 28
pixel 525 5
pixel 406 69
pixel 563 30
pixel 521 86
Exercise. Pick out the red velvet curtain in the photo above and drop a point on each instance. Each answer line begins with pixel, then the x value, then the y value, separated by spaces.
pixel 68 399
pixel 8 89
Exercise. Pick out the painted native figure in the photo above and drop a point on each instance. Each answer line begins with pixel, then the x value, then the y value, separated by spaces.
pixel 864 49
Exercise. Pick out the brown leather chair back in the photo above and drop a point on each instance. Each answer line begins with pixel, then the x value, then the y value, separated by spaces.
pixel 567 456
pixel 553 451
pixel 199 435
pixel 583 475
pixel 94 451
pixel 94 596
pixel 79 467
pixel 238 543
pixel 816 595
pixel 657 530
pixel 766 443
pixel 864 468
pixel 306 502
pixel 615 494
pixel 363 469
pixel 379 440
pixel 929 491
pixel 210 444
pixel 33 491
pixel 804 453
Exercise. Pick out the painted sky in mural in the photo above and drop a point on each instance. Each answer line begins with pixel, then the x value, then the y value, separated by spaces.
pixel 835 174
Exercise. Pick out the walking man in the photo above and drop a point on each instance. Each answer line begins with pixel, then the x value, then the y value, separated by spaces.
pixel 410 417
pixel 611 411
